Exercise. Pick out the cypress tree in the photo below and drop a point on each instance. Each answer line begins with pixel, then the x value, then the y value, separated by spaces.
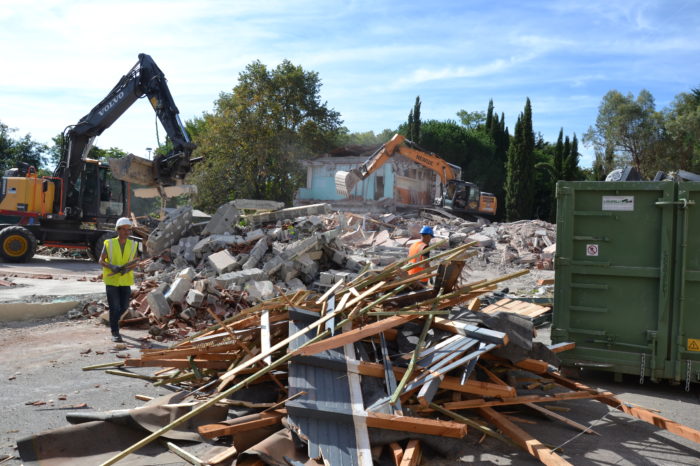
pixel 571 163
pixel 409 125
pixel 566 154
pixel 415 136
pixel 559 157
pixel 520 169
pixel 489 117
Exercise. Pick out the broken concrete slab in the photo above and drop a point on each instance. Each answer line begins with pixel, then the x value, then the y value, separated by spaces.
pixel 260 290
pixel 292 212
pixel 256 204
pixel 158 304
pixel 223 220
pixel 169 230
pixel 257 253
pixel 238 278
pixel 178 290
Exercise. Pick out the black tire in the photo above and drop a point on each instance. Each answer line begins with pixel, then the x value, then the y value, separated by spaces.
pixel 97 246
pixel 17 244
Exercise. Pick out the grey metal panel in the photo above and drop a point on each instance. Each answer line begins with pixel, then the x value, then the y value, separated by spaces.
pixel 329 435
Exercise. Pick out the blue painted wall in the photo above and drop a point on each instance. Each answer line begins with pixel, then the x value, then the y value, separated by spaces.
pixel 323 183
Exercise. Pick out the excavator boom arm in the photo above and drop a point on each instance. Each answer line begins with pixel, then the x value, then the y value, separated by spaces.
pixel 345 181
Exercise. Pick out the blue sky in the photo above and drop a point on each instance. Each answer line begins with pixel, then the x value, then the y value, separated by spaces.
pixel 61 57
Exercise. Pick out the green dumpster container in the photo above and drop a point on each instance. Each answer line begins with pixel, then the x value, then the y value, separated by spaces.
pixel 627 283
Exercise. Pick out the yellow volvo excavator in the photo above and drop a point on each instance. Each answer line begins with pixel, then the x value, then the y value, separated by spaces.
pixel 458 197
pixel 78 205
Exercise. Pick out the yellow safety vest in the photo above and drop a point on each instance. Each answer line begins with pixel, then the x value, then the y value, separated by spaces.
pixel 116 256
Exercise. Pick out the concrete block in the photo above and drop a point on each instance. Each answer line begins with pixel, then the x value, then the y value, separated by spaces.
pixel 158 304
pixel 222 261
pixel 223 220
pixel 194 298
pixel 257 253
pixel 273 265
pixel 260 290
pixel 306 265
pixel 178 290
pixel 243 276
pixel 255 204
pixel 295 284
pixel 254 235
pixel 482 241
pixel 186 245
pixel 189 314
pixel 187 273
pixel 169 230
pixel 216 243
pixel 288 271
pixel 326 278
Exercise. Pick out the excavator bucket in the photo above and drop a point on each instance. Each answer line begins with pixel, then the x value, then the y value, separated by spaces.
pixel 345 181
pixel 133 169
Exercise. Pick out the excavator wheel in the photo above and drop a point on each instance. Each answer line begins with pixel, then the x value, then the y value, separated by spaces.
pixel 17 244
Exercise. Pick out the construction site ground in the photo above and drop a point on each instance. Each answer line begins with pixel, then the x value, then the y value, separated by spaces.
pixel 42 380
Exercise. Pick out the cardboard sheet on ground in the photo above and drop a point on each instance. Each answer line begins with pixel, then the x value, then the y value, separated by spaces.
pixel 94 442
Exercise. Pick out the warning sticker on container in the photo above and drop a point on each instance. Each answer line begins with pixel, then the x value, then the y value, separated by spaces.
pixel 618 203
pixel 592 250
pixel 693 344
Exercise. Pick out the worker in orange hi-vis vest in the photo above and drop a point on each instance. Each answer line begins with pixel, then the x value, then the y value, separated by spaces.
pixel 426 234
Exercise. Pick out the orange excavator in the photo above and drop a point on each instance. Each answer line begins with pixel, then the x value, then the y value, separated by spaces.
pixel 458 197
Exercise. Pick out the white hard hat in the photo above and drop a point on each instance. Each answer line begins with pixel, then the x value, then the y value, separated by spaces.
pixel 123 222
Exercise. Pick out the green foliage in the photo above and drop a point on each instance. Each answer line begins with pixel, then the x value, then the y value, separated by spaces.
pixel 520 168
pixel 412 130
pixel 367 138
pixel 631 127
pixel 682 122
pixel 472 120
pixel 23 149
pixel 256 135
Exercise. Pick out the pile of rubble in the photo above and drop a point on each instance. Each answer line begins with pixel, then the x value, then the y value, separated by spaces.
pixel 370 371
pixel 251 251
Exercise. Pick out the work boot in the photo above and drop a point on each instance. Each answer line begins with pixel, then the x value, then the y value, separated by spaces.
pixel 116 338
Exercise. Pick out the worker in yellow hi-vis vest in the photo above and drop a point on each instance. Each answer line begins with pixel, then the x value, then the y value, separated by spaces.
pixel 118 259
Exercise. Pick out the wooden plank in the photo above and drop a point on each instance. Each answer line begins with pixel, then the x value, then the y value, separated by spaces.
pixel 474 387
pixel 330 291
pixel 223 456
pixel 545 281
pixel 564 346
pixel 178 363
pixel 265 337
pixel 469 330
pixel 417 425
pixel 354 335
pixel 635 411
pixel 522 438
pixel 396 453
pixel 185 455
pixel 559 417
pixel 363 446
pixel 481 403
pixel 242 424
pixel 474 304
pixel 413 454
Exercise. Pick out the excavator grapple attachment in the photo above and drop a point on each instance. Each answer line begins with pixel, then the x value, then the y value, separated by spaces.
pixel 345 181
pixel 134 169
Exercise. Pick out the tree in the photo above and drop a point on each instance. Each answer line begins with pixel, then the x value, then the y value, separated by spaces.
pixel 253 140
pixel 631 127
pixel 412 129
pixel 23 150
pixel 682 123
pixel 520 169
pixel 571 169
pixel 472 120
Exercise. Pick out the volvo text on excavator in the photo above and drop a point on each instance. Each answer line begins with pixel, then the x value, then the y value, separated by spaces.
pixel 78 205
pixel 456 196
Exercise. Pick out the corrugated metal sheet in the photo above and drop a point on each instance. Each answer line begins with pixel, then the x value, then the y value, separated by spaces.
pixel 316 414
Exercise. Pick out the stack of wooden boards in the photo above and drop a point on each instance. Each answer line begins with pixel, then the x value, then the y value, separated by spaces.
pixel 319 352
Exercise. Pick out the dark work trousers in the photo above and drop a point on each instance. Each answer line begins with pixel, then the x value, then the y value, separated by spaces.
pixel 118 300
